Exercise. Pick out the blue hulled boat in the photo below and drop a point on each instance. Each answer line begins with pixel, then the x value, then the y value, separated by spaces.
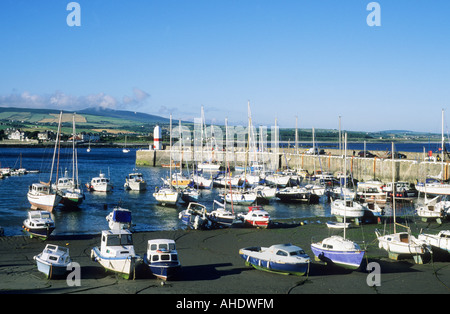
pixel 339 251
pixel 280 258
pixel 162 258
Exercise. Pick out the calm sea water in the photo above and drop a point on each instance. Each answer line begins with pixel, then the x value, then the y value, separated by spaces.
pixel 147 215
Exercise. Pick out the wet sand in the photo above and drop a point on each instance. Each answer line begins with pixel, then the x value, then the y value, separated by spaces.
pixel 211 265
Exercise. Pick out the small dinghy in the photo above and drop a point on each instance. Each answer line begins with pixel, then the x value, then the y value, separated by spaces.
pixel 337 225
pixel 116 252
pixel 162 258
pixel 280 258
pixel 39 224
pixel 53 260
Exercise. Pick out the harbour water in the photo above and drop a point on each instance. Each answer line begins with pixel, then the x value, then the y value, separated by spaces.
pixel 147 215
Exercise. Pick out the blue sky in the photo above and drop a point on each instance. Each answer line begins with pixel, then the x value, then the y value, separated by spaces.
pixel 317 60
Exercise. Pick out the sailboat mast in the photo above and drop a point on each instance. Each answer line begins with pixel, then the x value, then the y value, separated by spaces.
pixel 170 143
pixel 345 180
pixel 393 188
pixel 56 147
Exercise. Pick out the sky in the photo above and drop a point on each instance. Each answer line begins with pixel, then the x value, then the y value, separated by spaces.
pixel 314 60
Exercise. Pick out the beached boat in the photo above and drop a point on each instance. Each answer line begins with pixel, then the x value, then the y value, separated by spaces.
pixel 39 223
pixel 162 258
pixel 42 196
pixel 116 252
pixel 53 260
pixel 399 244
pixel 371 192
pixel 135 182
pixel 256 217
pixel 433 209
pixel 337 225
pixel 339 251
pixel 440 240
pixel 166 195
pixel 100 184
pixel 297 194
pixel 195 216
pixel 119 218
pixel 278 258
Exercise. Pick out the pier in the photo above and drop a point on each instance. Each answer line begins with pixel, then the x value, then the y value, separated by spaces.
pixel 411 169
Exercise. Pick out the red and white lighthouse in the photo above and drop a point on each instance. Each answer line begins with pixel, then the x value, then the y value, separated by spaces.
pixel 157 138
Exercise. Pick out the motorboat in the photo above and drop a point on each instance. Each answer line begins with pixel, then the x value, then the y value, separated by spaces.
pixel 256 217
pixel 166 195
pixel 440 240
pixel 53 260
pixel 162 258
pixel 119 218
pixel 278 258
pixel 116 252
pixel 297 194
pixel 135 182
pixel 221 216
pixel 371 191
pixel 39 223
pixel 403 190
pixel 100 184
pixel 42 196
pixel 339 251
pixel 195 216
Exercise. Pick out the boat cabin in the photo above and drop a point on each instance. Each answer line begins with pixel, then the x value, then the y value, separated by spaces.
pixel 161 250
pixel 117 243
pixel 39 218
pixel 55 254
pixel 39 188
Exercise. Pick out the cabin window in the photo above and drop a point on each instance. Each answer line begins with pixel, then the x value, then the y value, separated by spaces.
pixel 155 258
pixel 174 257
pixel 282 253
pixel 53 258
pixel 171 246
pixel 116 240
pixel 301 252
pixel 153 247
pixel 163 246
pixel 165 257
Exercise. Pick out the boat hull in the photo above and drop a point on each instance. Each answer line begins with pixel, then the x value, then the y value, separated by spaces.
pixel 44 202
pixel 39 232
pixel 347 259
pixel 122 265
pixel 298 269
pixel 50 270
pixel 163 270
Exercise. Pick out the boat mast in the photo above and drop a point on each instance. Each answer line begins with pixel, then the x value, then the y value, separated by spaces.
pixel 393 188
pixel 345 180
pixel 170 141
pixel 54 151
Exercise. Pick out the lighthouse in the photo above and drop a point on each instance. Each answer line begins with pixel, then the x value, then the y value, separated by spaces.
pixel 157 138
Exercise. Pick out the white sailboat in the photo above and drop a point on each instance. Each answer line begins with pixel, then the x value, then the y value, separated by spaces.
pixel 337 249
pixel 401 243
pixel 167 195
pixel 436 187
pixel 42 195
pixel 125 149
